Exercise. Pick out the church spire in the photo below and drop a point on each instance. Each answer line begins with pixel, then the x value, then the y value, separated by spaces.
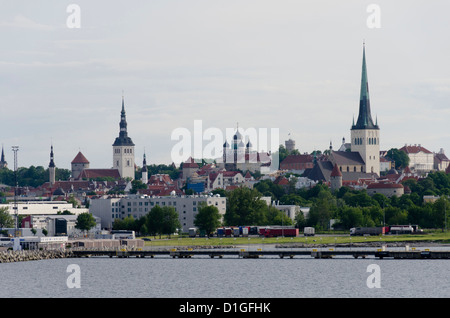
pixel 364 118
pixel 3 163
pixel 123 139
pixel 52 162
pixel 52 168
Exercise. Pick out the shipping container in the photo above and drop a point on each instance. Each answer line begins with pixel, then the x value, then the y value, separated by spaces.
pixel 275 232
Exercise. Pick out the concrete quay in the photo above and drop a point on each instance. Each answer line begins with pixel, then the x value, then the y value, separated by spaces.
pixel 32 255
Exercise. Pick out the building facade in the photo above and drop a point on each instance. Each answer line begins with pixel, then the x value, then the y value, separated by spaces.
pixel 420 158
pixel 136 206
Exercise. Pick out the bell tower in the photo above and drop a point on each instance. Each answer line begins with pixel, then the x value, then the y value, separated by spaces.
pixel 123 149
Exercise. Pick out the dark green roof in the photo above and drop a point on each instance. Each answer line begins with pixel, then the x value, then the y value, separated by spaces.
pixel 364 118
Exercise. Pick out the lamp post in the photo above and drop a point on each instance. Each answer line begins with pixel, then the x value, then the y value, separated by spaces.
pixel 15 149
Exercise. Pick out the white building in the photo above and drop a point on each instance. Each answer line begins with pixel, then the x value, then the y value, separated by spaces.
pixel 42 208
pixel 290 210
pixel 420 158
pixel 110 208
pixel 57 225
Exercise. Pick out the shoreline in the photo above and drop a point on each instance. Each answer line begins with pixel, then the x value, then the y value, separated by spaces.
pixel 33 255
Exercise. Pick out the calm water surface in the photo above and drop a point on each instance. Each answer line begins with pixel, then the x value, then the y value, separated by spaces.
pixel 230 277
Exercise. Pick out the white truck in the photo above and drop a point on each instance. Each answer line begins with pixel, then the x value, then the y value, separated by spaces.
pixel 309 231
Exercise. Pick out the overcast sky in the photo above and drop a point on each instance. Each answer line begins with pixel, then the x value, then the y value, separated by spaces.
pixel 292 65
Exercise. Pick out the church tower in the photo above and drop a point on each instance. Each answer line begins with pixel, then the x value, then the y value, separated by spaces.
pixel 365 135
pixel 144 178
pixel 3 163
pixel 123 149
pixel 52 169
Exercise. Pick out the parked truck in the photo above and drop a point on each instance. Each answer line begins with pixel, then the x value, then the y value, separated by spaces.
pixel 309 231
pixel 192 232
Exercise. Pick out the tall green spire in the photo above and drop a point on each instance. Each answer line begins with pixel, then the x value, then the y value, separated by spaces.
pixel 364 118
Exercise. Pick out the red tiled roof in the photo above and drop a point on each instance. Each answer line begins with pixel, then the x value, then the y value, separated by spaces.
pixel 336 172
pixel 414 149
pixel 80 158
pixel 297 159
pixel 190 163
pixel 384 186
pixel 160 179
pixel 281 180
pixel 99 173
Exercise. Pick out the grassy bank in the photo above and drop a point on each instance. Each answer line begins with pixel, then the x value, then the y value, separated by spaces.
pixel 435 237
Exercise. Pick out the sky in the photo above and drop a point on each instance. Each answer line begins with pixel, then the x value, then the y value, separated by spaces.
pixel 290 65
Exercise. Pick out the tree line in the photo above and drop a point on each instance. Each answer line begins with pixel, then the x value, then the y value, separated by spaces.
pixel 351 208
pixel 31 176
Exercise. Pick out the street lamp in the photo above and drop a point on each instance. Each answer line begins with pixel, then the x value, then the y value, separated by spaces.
pixel 15 149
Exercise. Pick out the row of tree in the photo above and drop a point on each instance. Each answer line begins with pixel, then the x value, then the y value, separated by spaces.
pixel 357 208
pixel 32 176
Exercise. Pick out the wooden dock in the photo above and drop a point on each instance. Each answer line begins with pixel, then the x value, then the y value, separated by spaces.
pixel 243 253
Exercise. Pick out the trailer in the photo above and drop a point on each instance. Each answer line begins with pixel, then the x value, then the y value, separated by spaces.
pixel 401 229
pixel 228 232
pixel 275 232
pixel 354 231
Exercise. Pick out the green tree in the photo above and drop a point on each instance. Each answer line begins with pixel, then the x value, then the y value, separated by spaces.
pixel 322 210
pixel 399 157
pixel 276 217
pixel 396 216
pixel 6 219
pixel 244 207
pixel 300 220
pixel 136 185
pixel 208 218
pixel 155 220
pixel 441 210
pixel 162 220
pixel 171 222
pixel 350 217
pixel 85 222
